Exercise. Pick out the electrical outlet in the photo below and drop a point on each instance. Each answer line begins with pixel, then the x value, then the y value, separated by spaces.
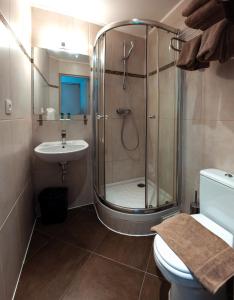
pixel 8 107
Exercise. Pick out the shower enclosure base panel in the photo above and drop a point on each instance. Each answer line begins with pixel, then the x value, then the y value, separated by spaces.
pixel 128 194
pixel 133 224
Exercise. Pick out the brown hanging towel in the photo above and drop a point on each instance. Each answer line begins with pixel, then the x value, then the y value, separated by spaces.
pixel 188 55
pixel 192 6
pixel 217 43
pixel 206 16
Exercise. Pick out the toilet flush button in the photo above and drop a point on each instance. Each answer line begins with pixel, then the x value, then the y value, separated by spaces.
pixel 8 107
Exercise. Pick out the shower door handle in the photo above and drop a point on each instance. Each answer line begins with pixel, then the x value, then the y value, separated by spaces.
pixel 99 117
pixel 152 117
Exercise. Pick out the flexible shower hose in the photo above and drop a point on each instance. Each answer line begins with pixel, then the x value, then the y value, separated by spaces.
pixel 122 135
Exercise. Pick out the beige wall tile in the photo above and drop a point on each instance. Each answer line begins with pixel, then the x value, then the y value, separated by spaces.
pixel 127 169
pixel 10 252
pixel 192 148
pixel 5 9
pixel 26 216
pixel 192 95
pixel 218 145
pixel 20 74
pixel 20 22
pixel 7 170
pixel 2 283
pixel 218 91
pixel 4 70
pixel 22 152
pixel 133 97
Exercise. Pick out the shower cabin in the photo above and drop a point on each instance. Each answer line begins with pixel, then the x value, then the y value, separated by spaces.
pixel 136 125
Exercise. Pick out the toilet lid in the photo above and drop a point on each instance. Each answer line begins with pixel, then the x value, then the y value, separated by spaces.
pixel 169 256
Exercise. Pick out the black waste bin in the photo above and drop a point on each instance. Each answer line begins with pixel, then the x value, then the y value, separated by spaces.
pixel 53 204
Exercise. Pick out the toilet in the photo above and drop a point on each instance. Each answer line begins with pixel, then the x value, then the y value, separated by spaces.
pixel 217 215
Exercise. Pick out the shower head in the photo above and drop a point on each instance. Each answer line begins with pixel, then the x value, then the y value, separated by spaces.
pixel 129 51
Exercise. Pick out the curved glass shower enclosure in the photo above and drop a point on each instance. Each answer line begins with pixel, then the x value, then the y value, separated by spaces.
pixel 135 121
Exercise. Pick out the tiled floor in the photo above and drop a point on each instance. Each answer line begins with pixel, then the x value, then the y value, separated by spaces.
pixel 81 259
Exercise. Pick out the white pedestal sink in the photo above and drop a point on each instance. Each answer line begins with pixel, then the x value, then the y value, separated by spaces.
pixel 56 152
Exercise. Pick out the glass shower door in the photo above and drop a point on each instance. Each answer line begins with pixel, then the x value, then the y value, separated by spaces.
pixel 99 116
pixel 162 117
pixel 152 119
pixel 167 121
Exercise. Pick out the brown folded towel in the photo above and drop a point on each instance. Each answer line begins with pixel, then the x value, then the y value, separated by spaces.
pixel 217 42
pixel 192 6
pixel 188 55
pixel 206 16
pixel 207 256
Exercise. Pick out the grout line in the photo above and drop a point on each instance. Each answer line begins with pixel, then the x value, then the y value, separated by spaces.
pixel 80 206
pixel 14 205
pixel 39 249
pixel 118 262
pixel 141 289
pixel 24 259
pixel 143 281
pixel 154 275
pixel 63 241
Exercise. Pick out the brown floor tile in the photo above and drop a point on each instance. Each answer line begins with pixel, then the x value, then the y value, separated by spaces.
pixel 133 251
pixel 49 272
pixel 82 229
pixel 152 267
pixel 38 241
pixel 102 279
pixel 154 288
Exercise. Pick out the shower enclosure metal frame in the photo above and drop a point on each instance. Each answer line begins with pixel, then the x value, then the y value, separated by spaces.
pixel 101 34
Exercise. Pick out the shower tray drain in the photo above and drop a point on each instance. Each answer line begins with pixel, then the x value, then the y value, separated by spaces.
pixel 141 185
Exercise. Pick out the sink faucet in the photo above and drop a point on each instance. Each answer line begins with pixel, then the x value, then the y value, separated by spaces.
pixel 63 136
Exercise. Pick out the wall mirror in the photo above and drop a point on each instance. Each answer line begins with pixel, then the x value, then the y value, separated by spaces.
pixel 61 83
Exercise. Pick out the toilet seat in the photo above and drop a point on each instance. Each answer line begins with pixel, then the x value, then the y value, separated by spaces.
pixel 172 263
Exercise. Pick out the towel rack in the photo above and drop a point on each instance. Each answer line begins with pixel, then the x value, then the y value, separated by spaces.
pixel 172 45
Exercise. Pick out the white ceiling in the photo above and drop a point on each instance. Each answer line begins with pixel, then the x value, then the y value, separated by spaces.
pixel 102 12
